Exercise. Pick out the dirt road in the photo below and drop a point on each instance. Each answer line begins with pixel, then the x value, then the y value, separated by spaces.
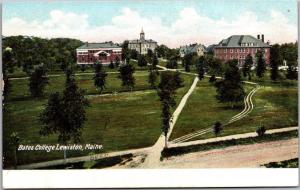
pixel 242 156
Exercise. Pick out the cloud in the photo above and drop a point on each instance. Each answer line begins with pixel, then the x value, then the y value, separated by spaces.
pixel 190 26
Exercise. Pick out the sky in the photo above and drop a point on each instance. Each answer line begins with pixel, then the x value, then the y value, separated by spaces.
pixel 170 22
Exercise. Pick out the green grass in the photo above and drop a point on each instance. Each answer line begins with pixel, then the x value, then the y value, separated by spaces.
pixel 275 106
pixel 168 152
pixel 202 110
pixel 19 89
pixel 292 163
pixel 133 122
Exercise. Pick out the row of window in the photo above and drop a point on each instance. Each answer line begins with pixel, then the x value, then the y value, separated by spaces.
pixel 235 57
pixel 239 50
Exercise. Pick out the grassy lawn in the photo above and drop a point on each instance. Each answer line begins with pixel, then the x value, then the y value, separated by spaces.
pixel 133 119
pixel 20 87
pixel 275 106
pixel 202 110
pixel 18 72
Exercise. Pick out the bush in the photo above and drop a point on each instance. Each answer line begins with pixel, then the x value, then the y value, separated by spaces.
pixel 261 131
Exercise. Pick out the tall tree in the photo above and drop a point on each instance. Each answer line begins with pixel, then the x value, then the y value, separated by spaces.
pixel 169 82
pixel 15 141
pixel 172 63
pixel 230 88
pixel 187 61
pixel 125 50
pixel 154 62
pixel 65 115
pixel 126 75
pixel 247 66
pixel 142 62
pixel 111 65
pixel 275 60
pixel 117 62
pixel 150 55
pixel 200 68
pixel 153 74
pixel 260 64
pixel 99 77
pixel 38 81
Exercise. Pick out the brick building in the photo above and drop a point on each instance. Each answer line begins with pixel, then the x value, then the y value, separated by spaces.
pixel 105 52
pixel 239 46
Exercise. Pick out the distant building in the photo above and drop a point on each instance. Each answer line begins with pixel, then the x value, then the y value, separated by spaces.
pixel 142 45
pixel 192 48
pixel 239 46
pixel 105 52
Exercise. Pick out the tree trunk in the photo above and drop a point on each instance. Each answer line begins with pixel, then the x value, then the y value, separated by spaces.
pixel 65 154
pixel 166 141
pixel 16 158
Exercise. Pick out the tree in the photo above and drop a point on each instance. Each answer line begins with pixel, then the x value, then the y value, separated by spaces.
pixel 200 68
pixel 38 81
pixel 217 128
pixel 99 77
pixel 275 60
pixel 153 74
pixel 261 64
pixel 142 62
pixel 212 78
pixel 230 88
pixel 169 82
pixel 126 75
pixel 125 50
pixel 161 50
pixel 154 62
pixel 172 64
pixel 111 65
pixel 82 68
pixel 15 141
pixel 117 62
pixel 247 66
pixel 65 115
pixel 261 131
pixel 134 54
pixel 150 55
pixel 187 61
pixel 292 73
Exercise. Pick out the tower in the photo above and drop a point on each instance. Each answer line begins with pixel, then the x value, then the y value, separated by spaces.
pixel 142 35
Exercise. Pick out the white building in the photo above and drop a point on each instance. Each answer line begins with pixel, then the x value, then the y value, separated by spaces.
pixel 142 45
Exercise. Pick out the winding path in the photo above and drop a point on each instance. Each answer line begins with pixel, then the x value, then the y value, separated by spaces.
pixel 248 108
pixel 154 153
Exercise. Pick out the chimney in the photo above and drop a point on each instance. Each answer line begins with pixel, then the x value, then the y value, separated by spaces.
pixel 258 36
pixel 263 38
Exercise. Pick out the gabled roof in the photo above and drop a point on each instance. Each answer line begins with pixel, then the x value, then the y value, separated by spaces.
pixel 142 41
pixel 99 45
pixel 237 40
pixel 192 48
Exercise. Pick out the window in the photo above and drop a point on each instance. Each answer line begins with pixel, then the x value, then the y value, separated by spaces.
pixel 231 50
pixel 236 50
pixel 244 50
pixel 225 50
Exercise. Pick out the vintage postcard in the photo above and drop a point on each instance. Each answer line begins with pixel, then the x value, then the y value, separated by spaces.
pixel 132 84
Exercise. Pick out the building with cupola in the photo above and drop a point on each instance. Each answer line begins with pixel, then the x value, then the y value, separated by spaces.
pixel 142 45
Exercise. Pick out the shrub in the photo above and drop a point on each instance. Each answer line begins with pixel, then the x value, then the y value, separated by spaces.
pixel 261 131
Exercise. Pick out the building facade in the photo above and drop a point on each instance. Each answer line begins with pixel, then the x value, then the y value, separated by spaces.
pixel 142 45
pixel 192 48
pixel 89 53
pixel 239 46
